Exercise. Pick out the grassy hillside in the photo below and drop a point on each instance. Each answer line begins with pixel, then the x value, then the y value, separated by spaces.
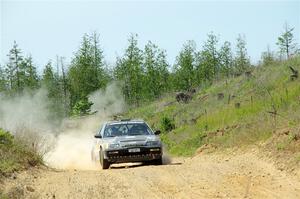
pixel 241 117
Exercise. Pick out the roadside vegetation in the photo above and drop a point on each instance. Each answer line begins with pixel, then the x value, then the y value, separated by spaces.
pixel 232 112
pixel 16 154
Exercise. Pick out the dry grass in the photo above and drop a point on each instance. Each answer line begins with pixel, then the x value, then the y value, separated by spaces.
pixel 39 142
pixel 18 153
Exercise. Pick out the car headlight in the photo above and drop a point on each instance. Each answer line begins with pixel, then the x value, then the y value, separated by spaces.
pixel 113 146
pixel 152 143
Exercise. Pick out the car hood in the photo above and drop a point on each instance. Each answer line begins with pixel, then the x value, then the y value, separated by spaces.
pixel 129 141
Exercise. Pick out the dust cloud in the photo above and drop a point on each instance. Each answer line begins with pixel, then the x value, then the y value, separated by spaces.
pixel 28 110
pixel 74 143
pixel 71 141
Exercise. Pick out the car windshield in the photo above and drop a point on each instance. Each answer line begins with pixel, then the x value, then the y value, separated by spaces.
pixel 128 129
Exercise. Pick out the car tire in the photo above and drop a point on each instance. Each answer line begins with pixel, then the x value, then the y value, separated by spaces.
pixel 158 161
pixel 104 163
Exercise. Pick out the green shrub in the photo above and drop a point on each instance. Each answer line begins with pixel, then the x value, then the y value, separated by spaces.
pixel 5 137
pixel 167 124
pixel 15 155
pixel 82 107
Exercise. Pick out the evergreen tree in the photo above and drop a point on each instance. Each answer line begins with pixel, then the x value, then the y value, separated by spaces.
pixel 152 85
pixel 267 57
pixel 156 73
pixel 13 70
pixel 50 81
pixel 98 61
pixel 208 65
pixel 242 61
pixel 129 70
pixel 162 67
pixel 20 72
pixel 226 59
pixel 86 73
pixel 286 42
pixel 64 87
pixel 184 66
pixel 2 80
pixel 29 73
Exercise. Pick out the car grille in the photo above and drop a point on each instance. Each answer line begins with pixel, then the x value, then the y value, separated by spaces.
pixel 144 154
pixel 132 143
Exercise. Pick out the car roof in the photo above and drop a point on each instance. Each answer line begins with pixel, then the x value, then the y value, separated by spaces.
pixel 137 121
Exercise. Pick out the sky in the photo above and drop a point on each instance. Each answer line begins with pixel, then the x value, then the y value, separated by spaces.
pixel 45 29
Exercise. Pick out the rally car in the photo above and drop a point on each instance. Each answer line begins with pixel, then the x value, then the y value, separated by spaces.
pixel 127 141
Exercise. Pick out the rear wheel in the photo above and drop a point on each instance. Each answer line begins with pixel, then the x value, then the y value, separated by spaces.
pixel 104 163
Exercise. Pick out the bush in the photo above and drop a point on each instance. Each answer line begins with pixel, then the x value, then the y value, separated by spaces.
pixel 5 137
pixel 34 140
pixel 82 107
pixel 167 124
pixel 15 155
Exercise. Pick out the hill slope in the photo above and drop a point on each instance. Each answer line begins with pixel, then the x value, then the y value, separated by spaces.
pixel 263 107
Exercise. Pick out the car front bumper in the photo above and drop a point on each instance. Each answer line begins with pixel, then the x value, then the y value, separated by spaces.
pixel 123 155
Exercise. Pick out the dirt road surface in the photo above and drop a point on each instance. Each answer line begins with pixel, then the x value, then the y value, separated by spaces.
pixel 241 175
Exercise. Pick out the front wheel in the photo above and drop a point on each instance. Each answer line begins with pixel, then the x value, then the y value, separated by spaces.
pixel 157 161
pixel 104 163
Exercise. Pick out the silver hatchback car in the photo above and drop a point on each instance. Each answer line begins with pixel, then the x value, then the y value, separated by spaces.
pixel 127 141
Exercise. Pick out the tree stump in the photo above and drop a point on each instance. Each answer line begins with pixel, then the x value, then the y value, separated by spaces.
pixel 220 96
pixel 294 74
pixel 183 97
pixel 237 105
pixel 248 74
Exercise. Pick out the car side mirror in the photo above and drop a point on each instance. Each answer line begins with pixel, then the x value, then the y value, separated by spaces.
pixel 98 136
pixel 157 132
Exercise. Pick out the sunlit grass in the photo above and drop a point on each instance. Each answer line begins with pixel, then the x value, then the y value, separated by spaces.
pixel 269 89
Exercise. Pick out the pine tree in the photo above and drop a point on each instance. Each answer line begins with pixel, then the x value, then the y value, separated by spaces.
pixel 162 67
pixel 226 59
pixel 20 72
pixel 184 66
pixel 13 68
pixel 208 65
pixel 152 86
pixel 286 42
pixel 156 73
pixel 86 73
pixel 129 70
pixel 50 81
pixel 98 61
pixel 242 61
pixel 3 85
pixel 267 57
pixel 29 73
pixel 64 87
